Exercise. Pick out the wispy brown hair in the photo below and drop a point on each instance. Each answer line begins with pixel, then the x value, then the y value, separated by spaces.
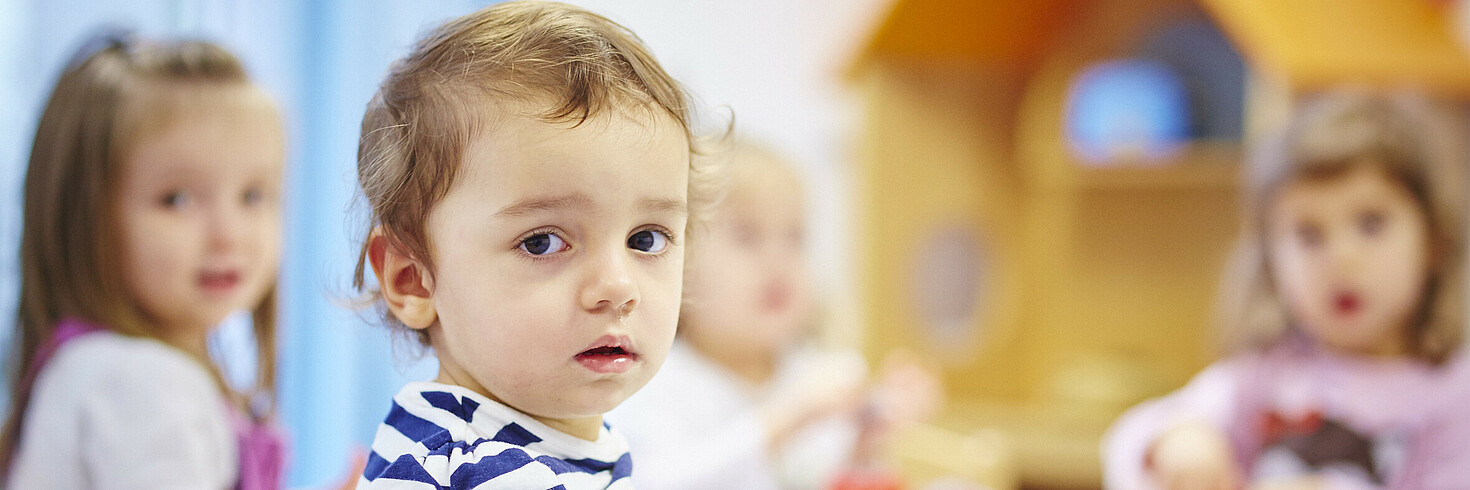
pixel 549 60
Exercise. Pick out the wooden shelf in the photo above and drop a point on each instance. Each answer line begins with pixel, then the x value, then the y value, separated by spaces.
pixel 1199 166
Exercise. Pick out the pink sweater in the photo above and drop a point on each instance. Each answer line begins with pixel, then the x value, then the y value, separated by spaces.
pixel 1295 410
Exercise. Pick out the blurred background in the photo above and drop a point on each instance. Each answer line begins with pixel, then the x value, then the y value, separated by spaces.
pixel 1037 194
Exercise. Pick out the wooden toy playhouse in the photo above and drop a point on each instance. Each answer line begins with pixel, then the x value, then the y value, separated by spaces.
pixel 1057 287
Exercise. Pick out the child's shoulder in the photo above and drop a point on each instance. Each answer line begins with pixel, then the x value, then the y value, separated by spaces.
pixel 105 393
pixel 1454 375
pixel 105 358
pixel 436 430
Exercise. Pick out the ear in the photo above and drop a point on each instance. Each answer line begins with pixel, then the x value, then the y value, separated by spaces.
pixel 403 280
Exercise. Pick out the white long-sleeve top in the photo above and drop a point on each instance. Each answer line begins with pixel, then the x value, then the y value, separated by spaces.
pixel 111 411
pixel 696 425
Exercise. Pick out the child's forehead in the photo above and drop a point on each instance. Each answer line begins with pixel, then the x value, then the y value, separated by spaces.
pixel 763 175
pixel 1353 185
pixel 524 128
pixel 521 154
pixel 1362 172
pixel 172 106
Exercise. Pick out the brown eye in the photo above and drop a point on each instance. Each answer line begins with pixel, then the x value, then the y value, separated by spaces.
pixel 1371 223
pixel 649 241
pixel 174 199
pixel 1309 235
pixel 252 196
pixel 543 244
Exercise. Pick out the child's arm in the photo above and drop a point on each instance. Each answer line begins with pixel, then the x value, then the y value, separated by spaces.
pixel 1439 456
pixel 1182 435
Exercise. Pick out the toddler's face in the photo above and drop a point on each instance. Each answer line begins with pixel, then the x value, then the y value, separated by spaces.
pixel 198 207
pixel 558 261
pixel 748 284
pixel 1350 256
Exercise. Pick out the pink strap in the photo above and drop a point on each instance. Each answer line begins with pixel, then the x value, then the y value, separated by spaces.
pixel 66 330
pixel 262 448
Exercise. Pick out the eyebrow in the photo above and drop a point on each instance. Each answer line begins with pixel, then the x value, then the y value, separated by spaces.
pixel 527 207
pixel 534 205
pixel 675 206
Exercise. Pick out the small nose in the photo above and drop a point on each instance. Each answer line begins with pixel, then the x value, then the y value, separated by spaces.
pixel 610 285
pixel 1343 246
pixel 226 225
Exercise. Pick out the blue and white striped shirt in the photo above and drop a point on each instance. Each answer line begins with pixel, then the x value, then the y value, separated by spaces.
pixel 440 436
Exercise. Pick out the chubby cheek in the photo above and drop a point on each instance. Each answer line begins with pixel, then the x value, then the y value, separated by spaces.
pixel 1299 285
pixel 796 291
pixel 1399 282
pixel 663 302
pixel 480 312
pixel 724 288
pixel 267 260
pixel 656 318
pixel 268 243
pixel 147 260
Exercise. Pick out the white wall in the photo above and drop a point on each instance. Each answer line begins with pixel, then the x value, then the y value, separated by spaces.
pixel 778 65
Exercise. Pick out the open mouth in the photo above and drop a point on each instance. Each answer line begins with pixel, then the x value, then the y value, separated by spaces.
pixel 605 351
pixel 608 356
pixel 1347 303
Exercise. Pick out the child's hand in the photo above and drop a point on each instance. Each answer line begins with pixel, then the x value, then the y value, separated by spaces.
pixel 826 387
pixel 906 390
pixel 1194 457
pixel 354 469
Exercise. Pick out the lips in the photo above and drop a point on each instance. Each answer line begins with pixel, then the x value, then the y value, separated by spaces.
pixel 776 297
pixel 219 281
pixel 1346 304
pixel 608 355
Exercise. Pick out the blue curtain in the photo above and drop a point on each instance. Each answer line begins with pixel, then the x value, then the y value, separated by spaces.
pixel 322 59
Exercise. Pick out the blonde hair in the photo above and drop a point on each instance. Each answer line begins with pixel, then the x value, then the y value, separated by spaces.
pixel 115 92
pixel 1400 136
pixel 574 63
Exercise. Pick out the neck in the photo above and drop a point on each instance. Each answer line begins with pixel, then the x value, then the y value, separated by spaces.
pixel 587 428
pixel 1387 348
pixel 194 341
pixel 1383 351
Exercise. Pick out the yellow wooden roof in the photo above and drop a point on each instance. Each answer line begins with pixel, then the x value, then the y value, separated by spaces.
pixel 1316 43
pixel 1005 32
pixel 1313 43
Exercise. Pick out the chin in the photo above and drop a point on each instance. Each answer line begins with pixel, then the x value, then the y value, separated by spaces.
pixel 598 402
